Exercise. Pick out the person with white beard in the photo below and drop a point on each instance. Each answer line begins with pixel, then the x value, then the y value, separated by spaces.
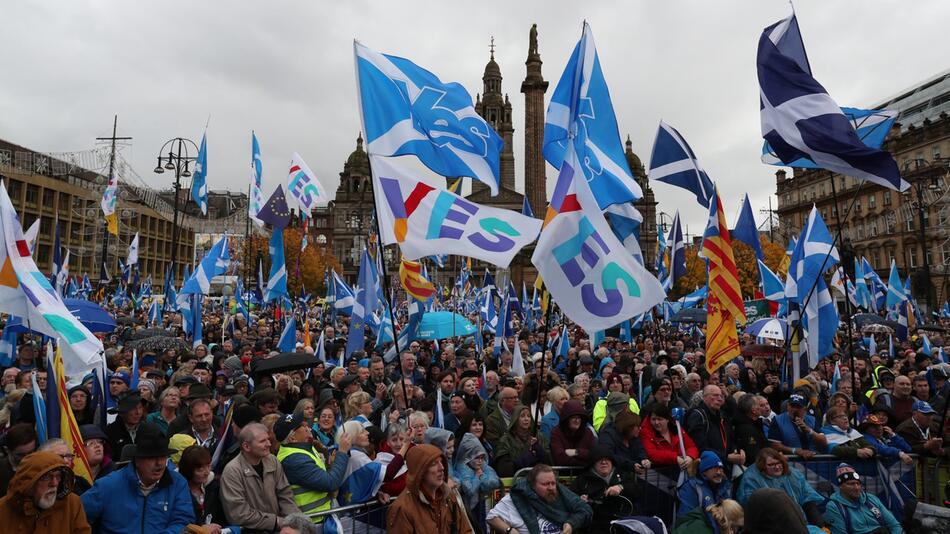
pixel 40 498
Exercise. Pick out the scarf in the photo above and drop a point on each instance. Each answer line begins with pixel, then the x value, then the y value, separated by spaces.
pixel 530 506
pixel 837 436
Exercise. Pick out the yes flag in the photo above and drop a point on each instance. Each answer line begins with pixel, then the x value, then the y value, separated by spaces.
pixel 277 281
pixel 409 110
pixel 746 229
pixel 673 162
pixel 215 263
pixel 257 182
pixel 199 185
pixel 581 115
pixel 27 293
pixel 304 187
pixel 801 120
pixel 625 221
pixel 133 257
pixel 425 220
pixel 594 280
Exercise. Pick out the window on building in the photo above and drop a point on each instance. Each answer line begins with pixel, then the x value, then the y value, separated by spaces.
pixel 32 193
pixel 912 257
pixel 14 188
pixel 872 201
pixel 873 228
pixel 49 196
pixel 64 201
pixel 875 260
pixel 930 259
pixel 935 151
pixel 42 256
pixel 46 227
pixel 909 224
pixel 857 205
pixel 886 198
pixel 834 211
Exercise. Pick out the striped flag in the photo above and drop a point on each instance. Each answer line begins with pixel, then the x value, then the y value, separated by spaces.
pixel 415 284
pixel 67 425
pixel 724 305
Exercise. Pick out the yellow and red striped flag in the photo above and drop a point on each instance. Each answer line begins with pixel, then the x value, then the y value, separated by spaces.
pixel 724 305
pixel 416 285
pixel 68 428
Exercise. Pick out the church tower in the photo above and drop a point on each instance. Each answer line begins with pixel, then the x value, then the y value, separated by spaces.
pixel 495 108
pixel 534 87
pixel 646 206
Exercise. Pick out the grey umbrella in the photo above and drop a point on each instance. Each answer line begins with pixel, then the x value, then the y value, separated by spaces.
pixel 158 344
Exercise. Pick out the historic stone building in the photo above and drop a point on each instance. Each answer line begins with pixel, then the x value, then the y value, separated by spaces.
pixel 646 206
pixel 880 223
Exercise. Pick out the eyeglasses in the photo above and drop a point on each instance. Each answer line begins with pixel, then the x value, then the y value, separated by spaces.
pixel 778 465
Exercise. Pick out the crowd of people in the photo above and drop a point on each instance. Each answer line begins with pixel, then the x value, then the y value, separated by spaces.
pixel 451 439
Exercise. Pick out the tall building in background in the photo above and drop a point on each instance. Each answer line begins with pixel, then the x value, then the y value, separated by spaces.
pixel 534 87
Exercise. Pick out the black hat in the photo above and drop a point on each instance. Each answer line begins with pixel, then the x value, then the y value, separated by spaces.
pixel 326 395
pixel 289 423
pixel 347 380
pixel 88 432
pixel 599 452
pixel 128 402
pixel 150 442
pixel 202 365
pixel 187 379
pixel 245 414
pixel 198 391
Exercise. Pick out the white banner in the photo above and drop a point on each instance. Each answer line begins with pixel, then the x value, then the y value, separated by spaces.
pixel 304 187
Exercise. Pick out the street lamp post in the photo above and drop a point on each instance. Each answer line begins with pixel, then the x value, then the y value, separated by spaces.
pixel 178 159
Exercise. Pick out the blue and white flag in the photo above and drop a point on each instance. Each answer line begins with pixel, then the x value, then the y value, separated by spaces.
pixel 277 281
pixel 517 361
pixel 321 349
pixel 362 479
pixel 385 333
pixel 199 185
pixel 805 286
pixel 581 114
pixel 677 253
pixel 288 337
pixel 695 298
pixel 673 162
pixel 861 292
pixel 772 286
pixel 625 221
pixel 215 263
pixel 410 330
pixel 409 110
pixel 257 182
pixel 343 296
pixel 746 230
pixel 801 120
pixel 364 305
pixel 155 314
pixel 526 207
pixel 871 125
pixel 895 288
pixel 8 345
pixel 926 347
pixel 39 409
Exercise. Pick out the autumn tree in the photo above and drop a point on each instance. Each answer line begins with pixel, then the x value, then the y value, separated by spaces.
pixel 313 261
pixel 695 277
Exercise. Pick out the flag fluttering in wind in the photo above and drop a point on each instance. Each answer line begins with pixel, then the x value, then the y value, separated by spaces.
pixel 199 181
pixel 257 182
pixel 677 267
pixel 772 286
pixel 277 281
pixel 133 256
pixel 303 186
pixel 747 231
pixel 365 304
pixel 625 221
pixel 288 337
pixel 109 197
pixel 32 233
pixel 215 263
pixel 801 120
pixel 409 110
pixel 343 296
pixel 673 162
pixel 275 211
pixel 805 286
pixel 895 288
pixel 724 306
pixel 581 115
pixel 412 280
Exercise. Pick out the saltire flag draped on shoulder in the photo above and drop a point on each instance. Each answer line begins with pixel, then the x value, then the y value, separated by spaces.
pixel 801 120
pixel 215 263
pixel 581 114
pixel 109 198
pixel 871 126
pixel 257 181
pixel 28 294
pixel 303 186
pixel 588 272
pixel 199 181
pixel 425 220
pixel 673 162
pixel 724 307
pixel 66 426
pixel 747 231
pixel 413 281
pixel 277 281
pixel 805 286
pixel 409 110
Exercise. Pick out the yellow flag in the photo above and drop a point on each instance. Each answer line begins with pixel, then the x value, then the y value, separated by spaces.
pixel 113 223
pixel 68 428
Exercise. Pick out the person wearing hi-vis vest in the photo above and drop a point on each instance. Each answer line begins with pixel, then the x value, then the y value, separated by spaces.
pixel 310 479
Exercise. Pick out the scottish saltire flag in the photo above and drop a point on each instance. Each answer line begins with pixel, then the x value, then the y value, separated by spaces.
pixel 695 298
pixel 526 207
pixel 364 305
pixel 215 263
pixel 362 479
pixel 410 330
pixel 288 337
pixel 199 185
pixel 303 186
pixel 409 110
pixel 801 120
pixel 133 255
pixel 625 221
pixel 746 229
pixel 277 279
pixel 673 162
pixel 872 344
pixel 385 331
pixel 593 278
pixel 724 306
pixel 28 294
pixel 57 256
pixel 772 286
pixel 836 377
pixel 257 182
pixel 861 292
pixel 563 345
pixel 838 280
pixel 7 345
pixel 876 286
pixel 662 261
pixel 926 347
pixel 108 203
pixel 945 310
pixel 154 313
pixel 871 126
pixel 343 296
pixel 487 312
pixel 39 408
pixel 581 115
pixel 806 287
pixel 425 220
pixel 517 361
pixel 677 267
pixel 626 329
pixel 895 288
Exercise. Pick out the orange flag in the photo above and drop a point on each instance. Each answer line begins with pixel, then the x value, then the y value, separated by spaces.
pixel 410 275
pixel 68 428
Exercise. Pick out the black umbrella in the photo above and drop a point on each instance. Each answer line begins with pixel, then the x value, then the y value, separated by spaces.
pixel 762 351
pixel 864 319
pixel 691 315
pixel 893 325
pixel 151 332
pixel 932 328
pixel 158 344
pixel 285 361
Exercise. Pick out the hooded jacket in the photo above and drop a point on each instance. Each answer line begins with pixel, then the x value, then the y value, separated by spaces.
pixel 18 513
pixel 865 515
pixel 793 484
pixel 611 436
pixel 416 510
pixel 471 485
pixel 562 438
pixel 514 453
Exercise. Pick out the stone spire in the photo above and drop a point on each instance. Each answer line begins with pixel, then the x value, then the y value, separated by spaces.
pixel 534 87
pixel 495 108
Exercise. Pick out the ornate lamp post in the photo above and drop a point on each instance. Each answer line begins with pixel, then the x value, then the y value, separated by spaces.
pixel 181 152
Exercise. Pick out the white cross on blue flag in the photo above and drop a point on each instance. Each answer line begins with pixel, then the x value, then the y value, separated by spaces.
pixel 801 120
pixel 673 162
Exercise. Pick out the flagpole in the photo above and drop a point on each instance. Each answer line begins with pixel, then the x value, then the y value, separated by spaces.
pixel 855 394
pixel 247 237
pixel 544 348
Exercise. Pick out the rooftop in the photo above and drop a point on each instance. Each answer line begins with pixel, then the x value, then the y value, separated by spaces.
pixel 925 100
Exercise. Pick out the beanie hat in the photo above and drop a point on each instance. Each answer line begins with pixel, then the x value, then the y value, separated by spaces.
pixel 845 473
pixel 709 460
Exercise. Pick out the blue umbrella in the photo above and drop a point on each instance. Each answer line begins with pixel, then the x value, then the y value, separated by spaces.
pixel 90 314
pixel 769 328
pixel 443 324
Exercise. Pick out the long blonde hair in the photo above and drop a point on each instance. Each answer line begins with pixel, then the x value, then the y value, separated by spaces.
pixel 728 514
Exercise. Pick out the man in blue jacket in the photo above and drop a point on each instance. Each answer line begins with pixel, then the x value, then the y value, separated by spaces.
pixel 142 497
pixel 709 486
pixel 851 510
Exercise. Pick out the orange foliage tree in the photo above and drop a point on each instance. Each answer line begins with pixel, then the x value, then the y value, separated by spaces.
pixel 314 260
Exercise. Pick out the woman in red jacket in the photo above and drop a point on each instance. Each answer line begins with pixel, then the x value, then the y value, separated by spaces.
pixel 662 442
pixel 572 439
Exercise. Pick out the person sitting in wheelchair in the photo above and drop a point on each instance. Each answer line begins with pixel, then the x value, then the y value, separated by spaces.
pixel 610 491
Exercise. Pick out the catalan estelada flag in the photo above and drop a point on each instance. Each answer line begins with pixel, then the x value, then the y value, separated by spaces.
pixel 724 305
pixel 416 285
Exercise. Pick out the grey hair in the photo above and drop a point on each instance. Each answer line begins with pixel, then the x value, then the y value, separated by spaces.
pixel 52 442
pixel 300 523
pixel 747 403
pixel 395 429
pixel 249 432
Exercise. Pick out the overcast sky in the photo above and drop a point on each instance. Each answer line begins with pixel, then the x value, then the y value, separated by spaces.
pixel 285 70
